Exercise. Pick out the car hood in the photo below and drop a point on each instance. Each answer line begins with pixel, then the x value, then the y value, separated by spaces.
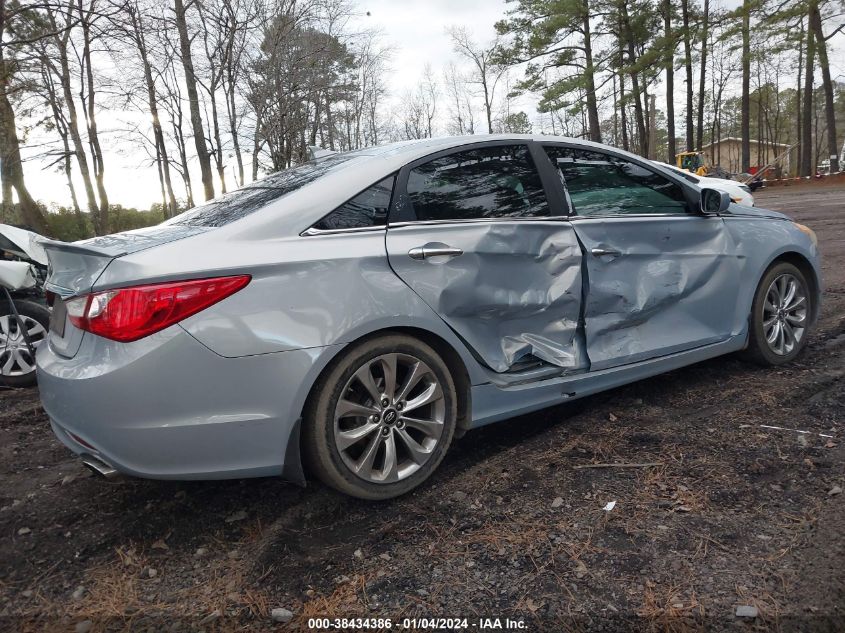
pixel 757 212
pixel 25 244
pixel 715 182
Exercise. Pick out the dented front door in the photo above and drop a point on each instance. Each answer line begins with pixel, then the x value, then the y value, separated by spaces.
pixel 656 285
pixel 479 241
pixel 660 277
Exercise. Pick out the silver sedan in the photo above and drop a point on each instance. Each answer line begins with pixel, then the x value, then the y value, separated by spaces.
pixel 351 316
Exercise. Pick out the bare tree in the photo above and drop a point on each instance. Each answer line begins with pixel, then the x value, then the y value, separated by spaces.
pixel 203 155
pixel 134 27
pixel 461 119
pixel 487 71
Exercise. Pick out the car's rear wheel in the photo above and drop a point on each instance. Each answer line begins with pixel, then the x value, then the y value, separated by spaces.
pixel 17 363
pixel 381 419
pixel 780 316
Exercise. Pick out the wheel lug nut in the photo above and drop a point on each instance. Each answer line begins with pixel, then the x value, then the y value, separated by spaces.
pixel 400 424
pixel 399 406
pixel 373 418
pixel 385 431
pixel 385 402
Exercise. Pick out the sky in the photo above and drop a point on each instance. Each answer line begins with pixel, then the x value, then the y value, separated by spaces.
pixel 415 29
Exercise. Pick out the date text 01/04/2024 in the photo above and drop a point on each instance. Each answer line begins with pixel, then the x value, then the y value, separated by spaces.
pixel 437 624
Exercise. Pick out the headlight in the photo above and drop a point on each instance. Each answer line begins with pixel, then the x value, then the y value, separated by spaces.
pixel 810 232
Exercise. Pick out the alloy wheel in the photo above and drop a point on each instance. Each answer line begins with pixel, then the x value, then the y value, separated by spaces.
pixel 784 314
pixel 389 418
pixel 15 357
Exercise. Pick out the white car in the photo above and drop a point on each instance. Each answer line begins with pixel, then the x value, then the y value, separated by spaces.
pixel 739 193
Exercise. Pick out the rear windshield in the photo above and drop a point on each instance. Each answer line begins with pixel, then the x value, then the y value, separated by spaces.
pixel 257 195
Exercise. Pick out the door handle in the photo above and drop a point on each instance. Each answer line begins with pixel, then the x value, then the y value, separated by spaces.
pixel 598 252
pixel 424 252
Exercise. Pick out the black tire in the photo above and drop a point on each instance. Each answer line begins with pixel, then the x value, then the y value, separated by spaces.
pixel 322 455
pixel 28 310
pixel 759 350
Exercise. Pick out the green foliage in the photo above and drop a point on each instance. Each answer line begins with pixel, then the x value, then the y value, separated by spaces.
pixel 548 34
pixel 516 123
pixel 67 226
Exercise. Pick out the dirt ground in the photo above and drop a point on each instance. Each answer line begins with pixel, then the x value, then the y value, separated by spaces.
pixel 512 526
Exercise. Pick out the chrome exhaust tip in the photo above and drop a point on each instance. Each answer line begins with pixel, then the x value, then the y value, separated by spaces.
pixel 99 466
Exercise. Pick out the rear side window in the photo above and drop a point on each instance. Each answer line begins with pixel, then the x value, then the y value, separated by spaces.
pixel 257 195
pixel 368 208
pixel 603 184
pixel 488 182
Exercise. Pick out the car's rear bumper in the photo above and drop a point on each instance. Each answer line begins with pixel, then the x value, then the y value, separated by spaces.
pixel 166 407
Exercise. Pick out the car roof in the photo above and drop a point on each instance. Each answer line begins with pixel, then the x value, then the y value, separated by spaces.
pixel 296 211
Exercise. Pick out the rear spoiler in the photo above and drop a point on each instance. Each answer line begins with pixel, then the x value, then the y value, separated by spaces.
pixel 74 268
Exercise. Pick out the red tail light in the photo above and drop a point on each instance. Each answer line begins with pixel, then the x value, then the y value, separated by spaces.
pixel 128 314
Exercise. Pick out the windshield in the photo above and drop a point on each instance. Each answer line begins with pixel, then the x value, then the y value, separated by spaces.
pixel 257 195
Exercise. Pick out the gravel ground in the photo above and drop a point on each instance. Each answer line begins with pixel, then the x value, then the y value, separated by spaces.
pixel 733 518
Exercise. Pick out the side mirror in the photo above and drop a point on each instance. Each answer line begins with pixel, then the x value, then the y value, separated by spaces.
pixel 714 201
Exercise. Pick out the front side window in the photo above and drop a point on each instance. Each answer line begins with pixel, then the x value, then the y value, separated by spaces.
pixel 368 208
pixel 602 184
pixel 487 182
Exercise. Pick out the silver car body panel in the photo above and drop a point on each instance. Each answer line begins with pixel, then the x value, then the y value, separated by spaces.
pixel 662 289
pixel 219 394
pixel 514 291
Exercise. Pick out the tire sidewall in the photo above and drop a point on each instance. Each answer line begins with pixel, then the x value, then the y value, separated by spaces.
pixel 762 347
pixel 33 311
pixel 322 454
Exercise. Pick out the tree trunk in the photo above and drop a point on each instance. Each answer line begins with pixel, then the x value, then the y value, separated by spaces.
pixel 635 85
pixel 688 66
pixel 61 128
pixel 669 65
pixel 745 114
pixel 193 100
pixel 807 166
pixel 218 144
pixel 102 221
pixel 10 158
pixel 829 110
pixel 229 89
pixel 168 197
pixel 699 138
pixel 798 118
pixel 63 73
pixel 589 76
pixel 623 117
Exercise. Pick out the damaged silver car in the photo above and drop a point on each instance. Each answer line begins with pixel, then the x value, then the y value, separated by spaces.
pixel 351 316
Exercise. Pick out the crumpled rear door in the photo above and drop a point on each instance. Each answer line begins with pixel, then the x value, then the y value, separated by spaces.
pixel 514 291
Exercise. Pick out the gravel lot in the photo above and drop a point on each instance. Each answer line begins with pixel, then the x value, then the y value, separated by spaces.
pixel 512 526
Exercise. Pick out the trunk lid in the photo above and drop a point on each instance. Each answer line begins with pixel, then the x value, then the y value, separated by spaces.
pixel 75 267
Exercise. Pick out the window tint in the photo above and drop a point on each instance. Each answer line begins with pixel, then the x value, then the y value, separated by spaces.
pixel 601 184
pixel 257 195
pixel 368 208
pixel 489 182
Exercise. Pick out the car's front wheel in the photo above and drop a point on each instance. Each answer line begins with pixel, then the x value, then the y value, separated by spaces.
pixel 381 419
pixel 780 316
